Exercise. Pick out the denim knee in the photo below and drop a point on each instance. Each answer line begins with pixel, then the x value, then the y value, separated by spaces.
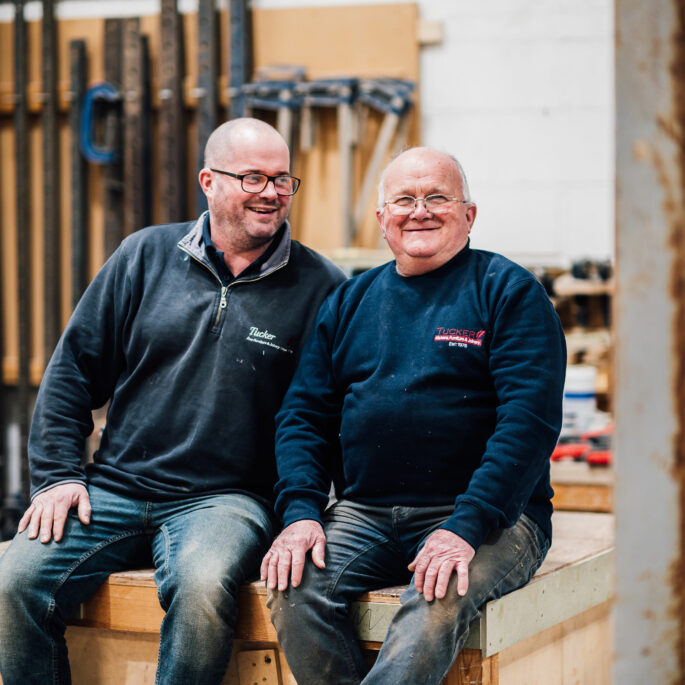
pixel 20 581
pixel 12 587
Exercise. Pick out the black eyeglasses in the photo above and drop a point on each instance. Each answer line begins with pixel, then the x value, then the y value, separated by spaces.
pixel 255 183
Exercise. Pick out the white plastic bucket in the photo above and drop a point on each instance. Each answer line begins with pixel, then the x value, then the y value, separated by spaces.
pixel 580 398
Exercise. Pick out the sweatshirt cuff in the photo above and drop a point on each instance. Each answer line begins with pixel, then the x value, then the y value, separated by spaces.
pixel 45 488
pixel 302 509
pixel 469 523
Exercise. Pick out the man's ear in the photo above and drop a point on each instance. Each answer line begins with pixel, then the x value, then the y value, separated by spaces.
pixel 471 211
pixel 206 180
pixel 379 219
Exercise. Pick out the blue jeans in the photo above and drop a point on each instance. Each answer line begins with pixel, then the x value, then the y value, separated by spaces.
pixel 368 548
pixel 202 549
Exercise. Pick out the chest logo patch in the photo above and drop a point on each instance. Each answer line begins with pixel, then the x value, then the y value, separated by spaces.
pixel 265 338
pixel 458 337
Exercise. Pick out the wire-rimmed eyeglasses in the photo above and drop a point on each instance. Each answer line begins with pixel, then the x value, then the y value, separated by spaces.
pixel 435 204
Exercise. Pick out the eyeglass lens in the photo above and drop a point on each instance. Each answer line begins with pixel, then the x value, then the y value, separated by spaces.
pixel 255 183
pixel 433 203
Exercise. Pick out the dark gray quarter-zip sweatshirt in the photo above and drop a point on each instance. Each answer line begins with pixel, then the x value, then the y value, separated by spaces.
pixel 194 369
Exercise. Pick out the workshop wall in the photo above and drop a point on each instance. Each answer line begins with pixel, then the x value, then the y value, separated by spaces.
pixel 522 92
pixel 362 42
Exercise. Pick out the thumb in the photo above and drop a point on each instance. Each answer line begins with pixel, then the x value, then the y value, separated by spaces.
pixel 318 552
pixel 84 508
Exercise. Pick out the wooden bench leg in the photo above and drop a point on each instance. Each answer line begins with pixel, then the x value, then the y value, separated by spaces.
pixel 471 668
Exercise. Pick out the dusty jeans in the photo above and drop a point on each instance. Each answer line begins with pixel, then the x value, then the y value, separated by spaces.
pixel 368 548
pixel 202 548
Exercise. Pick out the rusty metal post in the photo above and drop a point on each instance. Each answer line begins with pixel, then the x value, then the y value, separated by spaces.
pixel 650 341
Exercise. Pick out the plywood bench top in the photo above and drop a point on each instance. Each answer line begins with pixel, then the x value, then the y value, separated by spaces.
pixel 575 576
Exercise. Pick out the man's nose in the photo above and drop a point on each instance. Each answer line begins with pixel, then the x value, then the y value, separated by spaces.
pixel 420 211
pixel 270 189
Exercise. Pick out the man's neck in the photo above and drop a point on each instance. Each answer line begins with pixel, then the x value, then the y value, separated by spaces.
pixel 238 261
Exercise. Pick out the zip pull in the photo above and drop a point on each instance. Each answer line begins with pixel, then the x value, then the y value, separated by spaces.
pixel 222 304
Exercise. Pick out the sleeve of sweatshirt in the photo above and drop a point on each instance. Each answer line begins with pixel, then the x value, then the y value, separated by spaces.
pixel 527 365
pixel 80 377
pixel 307 427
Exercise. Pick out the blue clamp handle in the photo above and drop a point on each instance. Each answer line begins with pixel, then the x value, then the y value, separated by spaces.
pixel 97 154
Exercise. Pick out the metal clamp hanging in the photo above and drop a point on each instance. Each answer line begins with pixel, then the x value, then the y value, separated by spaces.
pixel 90 148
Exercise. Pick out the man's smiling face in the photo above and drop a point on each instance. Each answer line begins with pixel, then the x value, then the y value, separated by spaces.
pixel 422 241
pixel 243 221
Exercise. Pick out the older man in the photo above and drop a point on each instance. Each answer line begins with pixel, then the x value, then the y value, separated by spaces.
pixel 192 332
pixel 430 392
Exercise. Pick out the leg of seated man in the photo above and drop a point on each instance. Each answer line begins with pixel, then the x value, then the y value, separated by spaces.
pixel 42 584
pixel 425 638
pixel 312 622
pixel 203 550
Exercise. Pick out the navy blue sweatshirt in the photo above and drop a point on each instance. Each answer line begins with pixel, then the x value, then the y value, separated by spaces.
pixel 194 369
pixel 428 390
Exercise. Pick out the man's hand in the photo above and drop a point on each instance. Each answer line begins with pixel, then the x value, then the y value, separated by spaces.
pixel 48 511
pixel 442 553
pixel 287 554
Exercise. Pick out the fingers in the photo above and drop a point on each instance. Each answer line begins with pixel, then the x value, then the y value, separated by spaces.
pixel 264 568
pixel 84 509
pixel 319 552
pixel 36 516
pixel 419 566
pixel 442 555
pixel 286 559
pixel 272 570
pixel 436 578
pixel 462 577
pixel 283 570
pixel 25 519
pixel 46 519
pixel 297 557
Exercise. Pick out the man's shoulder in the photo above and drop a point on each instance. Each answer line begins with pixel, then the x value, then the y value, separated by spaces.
pixel 353 290
pixel 303 257
pixel 158 234
pixel 494 266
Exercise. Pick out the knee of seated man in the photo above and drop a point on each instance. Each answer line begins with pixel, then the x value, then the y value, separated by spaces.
pixel 16 585
pixel 203 580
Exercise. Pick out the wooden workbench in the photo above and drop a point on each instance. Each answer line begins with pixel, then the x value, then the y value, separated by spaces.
pixel 554 631
pixel 579 487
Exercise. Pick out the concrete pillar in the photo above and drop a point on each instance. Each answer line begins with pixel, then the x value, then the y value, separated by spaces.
pixel 649 341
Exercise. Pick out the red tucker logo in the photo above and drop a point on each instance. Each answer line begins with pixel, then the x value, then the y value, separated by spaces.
pixel 459 335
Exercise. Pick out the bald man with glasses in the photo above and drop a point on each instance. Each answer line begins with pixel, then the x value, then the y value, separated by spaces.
pixel 191 332
pixel 430 394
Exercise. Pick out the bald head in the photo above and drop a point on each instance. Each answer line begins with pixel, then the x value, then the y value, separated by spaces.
pixel 239 133
pixel 423 155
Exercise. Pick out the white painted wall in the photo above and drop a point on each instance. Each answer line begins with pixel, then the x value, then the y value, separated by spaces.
pixel 522 92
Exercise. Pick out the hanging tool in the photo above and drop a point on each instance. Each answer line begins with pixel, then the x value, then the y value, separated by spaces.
pixel 51 164
pixel 341 94
pixel 136 114
pixel 277 95
pixel 23 227
pixel 113 177
pixel 172 124
pixel 95 97
pixel 206 91
pixel 78 69
pixel 239 67
pixel 393 97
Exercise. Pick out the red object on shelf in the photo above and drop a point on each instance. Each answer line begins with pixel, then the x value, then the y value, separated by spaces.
pixel 600 458
pixel 594 447
pixel 570 450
